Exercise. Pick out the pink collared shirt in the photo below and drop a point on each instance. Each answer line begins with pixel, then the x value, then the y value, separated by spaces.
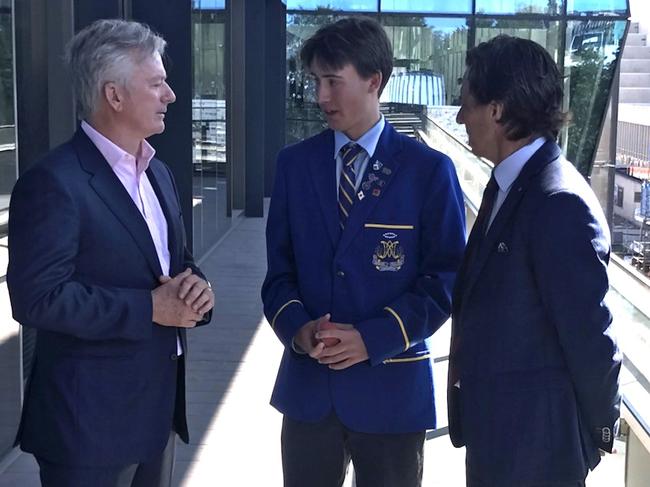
pixel 131 172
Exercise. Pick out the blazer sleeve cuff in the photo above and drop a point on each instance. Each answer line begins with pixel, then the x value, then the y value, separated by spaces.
pixel 287 320
pixel 384 337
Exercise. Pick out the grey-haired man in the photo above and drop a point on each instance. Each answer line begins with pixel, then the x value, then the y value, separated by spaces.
pixel 98 266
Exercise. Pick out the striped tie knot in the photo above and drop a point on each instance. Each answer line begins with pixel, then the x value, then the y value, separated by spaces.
pixel 347 181
pixel 349 153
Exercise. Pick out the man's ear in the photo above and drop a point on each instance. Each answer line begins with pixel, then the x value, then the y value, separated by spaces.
pixel 375 81
pixel 114 95
pixel 496 111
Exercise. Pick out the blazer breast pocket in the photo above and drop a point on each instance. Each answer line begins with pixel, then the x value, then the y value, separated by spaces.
pixel 389 250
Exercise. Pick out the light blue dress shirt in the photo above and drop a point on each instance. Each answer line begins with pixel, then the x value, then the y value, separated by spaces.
pixel 368 141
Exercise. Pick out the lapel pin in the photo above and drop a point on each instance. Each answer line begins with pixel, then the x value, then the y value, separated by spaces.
pixel 366 185
pixel 386 171
pixel 381 183
pixel 376 192
pixel 502 248
pixel 377 165
pixel 361 195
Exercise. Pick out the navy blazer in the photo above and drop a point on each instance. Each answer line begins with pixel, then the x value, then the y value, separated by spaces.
pixel 390 273
pixel 531 340
pixel 106 385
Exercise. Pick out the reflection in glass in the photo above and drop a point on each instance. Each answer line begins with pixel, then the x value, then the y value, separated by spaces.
pixel 346 5
pixel 429 59
pixel 543 32
pixel 10 365
pixel 518 6
pixel 593 48
pixel 209 4
pixel 209 191
pixel 597 6
pixel 426 6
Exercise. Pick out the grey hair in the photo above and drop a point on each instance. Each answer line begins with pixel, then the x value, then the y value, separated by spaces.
pixel 106 51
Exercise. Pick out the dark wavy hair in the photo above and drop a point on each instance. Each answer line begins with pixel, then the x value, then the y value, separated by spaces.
pixel 359 41
pixel 521 75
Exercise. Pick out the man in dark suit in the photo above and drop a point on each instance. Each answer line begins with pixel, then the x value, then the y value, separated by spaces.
pixel 98 265
pixel 533 378
pixel 364 236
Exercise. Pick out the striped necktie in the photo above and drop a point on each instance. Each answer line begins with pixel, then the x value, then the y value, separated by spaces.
pixel 349 153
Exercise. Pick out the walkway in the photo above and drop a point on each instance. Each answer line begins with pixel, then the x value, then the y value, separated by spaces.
pixel 235 433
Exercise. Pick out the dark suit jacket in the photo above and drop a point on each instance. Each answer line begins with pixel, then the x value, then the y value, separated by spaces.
pixel 531 340
pixel 106 385
pixel 390 273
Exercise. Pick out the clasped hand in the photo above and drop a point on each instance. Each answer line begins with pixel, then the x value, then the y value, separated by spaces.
pixel 181 301
pixel 349 350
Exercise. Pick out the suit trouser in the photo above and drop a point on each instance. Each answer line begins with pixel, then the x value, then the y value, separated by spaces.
pixel 156 473
pixel 318 454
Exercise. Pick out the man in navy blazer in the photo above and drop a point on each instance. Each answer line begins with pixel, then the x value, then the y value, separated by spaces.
pixel 364 236
pixel 533 377
pixel 98 265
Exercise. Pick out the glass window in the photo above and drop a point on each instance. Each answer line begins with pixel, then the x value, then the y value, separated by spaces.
pixel 346 5
pixel 544 32
pixel 429 59
pixel 10 353
pixel 209 162
pixel 518 6
pixel 596 6
pixel 426 6
pixel 209 4
pixel 592 50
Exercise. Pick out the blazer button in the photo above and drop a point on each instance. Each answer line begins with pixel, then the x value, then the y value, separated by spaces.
pixel 341 274
pixel 173 356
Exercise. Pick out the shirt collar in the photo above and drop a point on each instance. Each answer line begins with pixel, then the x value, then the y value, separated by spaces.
pixel 507 170
pixel 368 141
pixel 114 154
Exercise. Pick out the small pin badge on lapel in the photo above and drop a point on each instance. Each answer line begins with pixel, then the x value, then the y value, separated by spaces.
pixel 386 171
pixel 502 248
pixel 361 195
pixel 376 192
pixel 381 183
pixel 366 185
pixel 377 165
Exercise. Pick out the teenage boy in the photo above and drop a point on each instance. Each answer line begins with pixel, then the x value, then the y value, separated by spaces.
pixel 364 237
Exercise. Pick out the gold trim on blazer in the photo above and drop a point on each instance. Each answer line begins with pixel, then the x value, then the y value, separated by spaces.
pixel 282 309
pixel 388 227
pixel 407 359
pixel 401 325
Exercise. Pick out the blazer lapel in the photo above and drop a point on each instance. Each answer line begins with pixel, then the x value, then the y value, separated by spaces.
pixel 322 167
pixel 110 189
pixel 380 171
pixel 545 155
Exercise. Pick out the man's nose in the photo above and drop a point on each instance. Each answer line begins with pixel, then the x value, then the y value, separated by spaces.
pixel 459 117
pixel 322 94
pixel 170 96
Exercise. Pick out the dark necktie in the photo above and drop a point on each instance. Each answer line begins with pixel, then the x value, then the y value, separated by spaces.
pixel 350 152
pixel 487 205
